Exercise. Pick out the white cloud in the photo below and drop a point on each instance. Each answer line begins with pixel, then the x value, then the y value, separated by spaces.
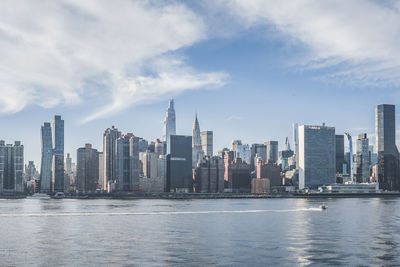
pixel 50 49
pixel 360 37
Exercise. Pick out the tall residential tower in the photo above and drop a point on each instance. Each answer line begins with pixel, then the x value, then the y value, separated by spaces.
pixel 110 137
pixel 47 158
pixel 388 155
pixel 58 154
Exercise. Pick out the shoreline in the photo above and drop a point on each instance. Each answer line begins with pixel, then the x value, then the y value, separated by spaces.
pixel 176 196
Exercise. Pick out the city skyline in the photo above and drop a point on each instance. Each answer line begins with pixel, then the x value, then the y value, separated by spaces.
pixel 139 132
pixel 98 144
pixel 228 65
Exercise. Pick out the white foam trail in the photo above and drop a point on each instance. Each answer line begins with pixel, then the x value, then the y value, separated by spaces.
pixel 45 214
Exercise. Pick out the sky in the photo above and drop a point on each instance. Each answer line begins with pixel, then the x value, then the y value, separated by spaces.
pixel 248 68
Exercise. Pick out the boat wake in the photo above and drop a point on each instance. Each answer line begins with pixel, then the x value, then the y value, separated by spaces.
pixel 45 214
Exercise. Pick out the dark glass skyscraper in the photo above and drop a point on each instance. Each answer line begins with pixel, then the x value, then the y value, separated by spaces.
pixel 179 164
pixel 388 155
pixel 272 151
pixel 11 167
pixel 87 169
pixel 47 158
pixel 58 154
pixel 127 163
pixel 339 141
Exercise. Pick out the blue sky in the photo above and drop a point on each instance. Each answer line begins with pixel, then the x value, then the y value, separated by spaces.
pixel 249 68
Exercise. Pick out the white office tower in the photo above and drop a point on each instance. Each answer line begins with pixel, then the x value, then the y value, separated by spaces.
pixel 317 161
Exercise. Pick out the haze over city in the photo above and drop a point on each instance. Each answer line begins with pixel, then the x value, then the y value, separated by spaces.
pixel 248 70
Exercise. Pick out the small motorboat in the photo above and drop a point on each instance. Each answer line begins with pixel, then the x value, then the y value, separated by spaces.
pixel 59 195
pixel 323 207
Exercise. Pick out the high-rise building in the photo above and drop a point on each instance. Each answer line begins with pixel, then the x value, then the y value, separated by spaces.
pixel 87 169
pixel 374 156
pixel 237 174
pixel 362 159
pixel 350 159
pixel 197 150
pixel 235 144
pixel 143 145
pixel 109 156
pixel 169 122
pixel 272 151
pixel 47 158
pixel 207 142
pixel 388 155
pixel 69 174
pixel 269 171
pixel 58 155
pixel 179 164
pixel 68 164
pixel 11 167
pixel 317 157
pixel 209 175
pixel 295 137
pixel 128 165
pixel 339 141
pixel 30 171
pixel 31 177
pixel 150 164
pixel 241 151
pixel 101 170
pixel 159 147
pixel 154 173
pixel 257 151
pixel 284 159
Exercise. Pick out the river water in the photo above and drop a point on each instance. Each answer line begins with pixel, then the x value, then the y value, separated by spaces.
pixel 225 232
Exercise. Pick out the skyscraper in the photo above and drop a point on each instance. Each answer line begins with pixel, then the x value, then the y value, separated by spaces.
pixel 209 175
pixel 58 154
pixel 257 151
pixel 296 142
pixel 350 159
pixel 169 122
pixel 317 157
pixel 101 170
pixel 87 169
pixel 272 151
pixel 159 147
pixel 11 167
pixel 179 164
pixel 207 142
pixel 339 141
pixel 47 158
pixel 68 164
pixel 197 150
pixel 388 155
pixel 110 137
pixel 362 159
pixel 127 163
pixel 241 151
pixel 68 174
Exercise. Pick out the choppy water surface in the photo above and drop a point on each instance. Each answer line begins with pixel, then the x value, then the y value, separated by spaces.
pixel 256 232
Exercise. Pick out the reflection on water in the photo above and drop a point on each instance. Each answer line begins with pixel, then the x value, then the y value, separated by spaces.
pixel 227 232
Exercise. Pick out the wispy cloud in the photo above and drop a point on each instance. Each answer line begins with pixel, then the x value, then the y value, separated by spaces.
pixel 234 118
pixel 357 39
pixel 49 50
